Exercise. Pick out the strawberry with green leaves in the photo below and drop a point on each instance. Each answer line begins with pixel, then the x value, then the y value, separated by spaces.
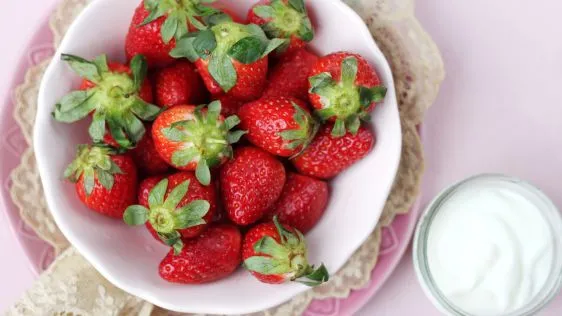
pixel 282 126
pixel 195 138
pixel 112 97
pixel 177 208
pixel 329 155
pixel 232 58
pixel 344 89
pixel 106 182
pixel 277 254
pixel 287 19
pixel 157 24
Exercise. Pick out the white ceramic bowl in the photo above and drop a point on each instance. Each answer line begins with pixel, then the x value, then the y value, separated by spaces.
pixel 129 257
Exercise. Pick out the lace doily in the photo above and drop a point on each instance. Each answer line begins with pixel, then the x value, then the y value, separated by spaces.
pixel 72 287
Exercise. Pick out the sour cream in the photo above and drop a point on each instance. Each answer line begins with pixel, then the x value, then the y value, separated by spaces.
pixel 491 247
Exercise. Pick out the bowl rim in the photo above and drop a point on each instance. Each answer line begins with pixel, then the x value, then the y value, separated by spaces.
pixel 362 32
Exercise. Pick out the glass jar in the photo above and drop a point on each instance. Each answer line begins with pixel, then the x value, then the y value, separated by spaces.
pixel 549 212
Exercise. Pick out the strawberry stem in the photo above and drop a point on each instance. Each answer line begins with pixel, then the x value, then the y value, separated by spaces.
pixel 165 215
pixel 206 139
pixel 114 100
pixel 286 19
pixel 93 162
pixel 162 220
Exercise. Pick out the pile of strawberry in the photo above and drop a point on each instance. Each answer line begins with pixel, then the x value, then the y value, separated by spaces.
pixel 277 123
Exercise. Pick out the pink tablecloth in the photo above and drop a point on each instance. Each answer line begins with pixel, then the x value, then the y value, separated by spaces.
pixel 499 111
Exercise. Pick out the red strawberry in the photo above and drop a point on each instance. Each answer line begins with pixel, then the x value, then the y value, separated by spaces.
pixel 302 202
pixel 105 182
pixel 276 254
pixel 176 207
pixel 157 24
pixel 289 77
pixel 328 155
pixel 191 138
pixel 286 19
pixel 231 58
pixel 115 98
pixel 214 255
pixel 282 126
pixel 229 105
pixel 344 89
pixel 147 158
pixel 251 182
pixel 179 84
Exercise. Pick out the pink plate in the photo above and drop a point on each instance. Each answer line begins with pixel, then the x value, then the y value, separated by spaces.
pixel 395 238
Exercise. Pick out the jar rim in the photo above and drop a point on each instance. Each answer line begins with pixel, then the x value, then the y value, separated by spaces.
pixel 419 253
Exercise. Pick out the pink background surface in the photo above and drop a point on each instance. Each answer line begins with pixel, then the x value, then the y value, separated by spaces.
pixel 498 111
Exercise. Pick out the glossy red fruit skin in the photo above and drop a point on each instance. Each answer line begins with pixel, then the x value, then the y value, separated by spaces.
pixel 265 118
pixel 250 183
pixel 327 156
pixel 147 40
pixel 112 202
pixel 196 192
pixel 289 77
pixel 366 74
pixel 147 158
pixel 251 79
pixel 212 256
pixel 179 84
pixel 250 239
pixel 146 92
pixel 229 105
pixel 295 42
pixel 302 203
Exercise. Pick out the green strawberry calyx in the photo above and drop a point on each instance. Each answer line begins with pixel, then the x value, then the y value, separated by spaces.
pixel 165 215
pixel 114 100
pixel 286 19
pixel 179 14
pixel 93 162
pixel 287 258
pixel 301 137
pixel 206 138
pixel 224 44
pixel 348 103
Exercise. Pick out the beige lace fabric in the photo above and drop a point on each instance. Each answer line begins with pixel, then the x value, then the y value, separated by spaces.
pixel 72 287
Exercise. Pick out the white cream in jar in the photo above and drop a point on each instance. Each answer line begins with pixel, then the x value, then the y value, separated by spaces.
pixel 490 249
